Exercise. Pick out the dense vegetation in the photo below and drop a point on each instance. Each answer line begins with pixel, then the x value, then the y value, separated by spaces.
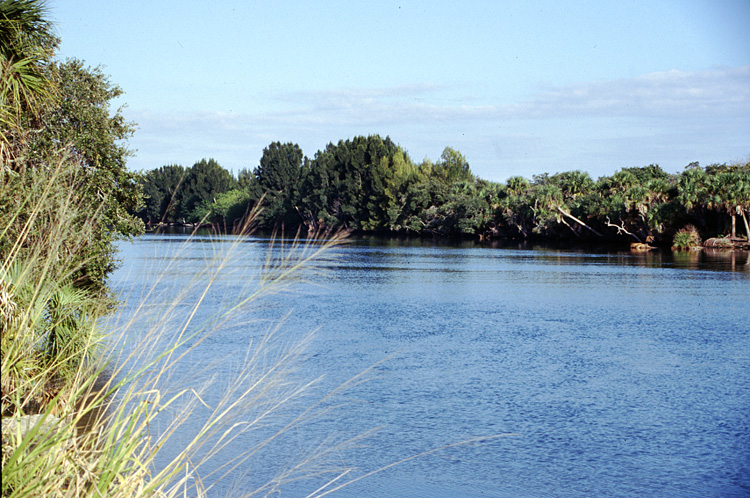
pixel 371 184
pixel 65 197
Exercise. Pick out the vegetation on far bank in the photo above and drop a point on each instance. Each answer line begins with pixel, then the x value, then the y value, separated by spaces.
pixel 371 184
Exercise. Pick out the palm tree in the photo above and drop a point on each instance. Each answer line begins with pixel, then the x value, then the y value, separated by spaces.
pixel 574 184
pixel 692 192
pixel 731 191
pixel 26 46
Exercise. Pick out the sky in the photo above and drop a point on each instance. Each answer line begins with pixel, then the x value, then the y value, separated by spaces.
pixel 518 87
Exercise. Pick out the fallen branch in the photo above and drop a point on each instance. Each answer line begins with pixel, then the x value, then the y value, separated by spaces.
pixel 621 229
pixel 564 213
pixel 571 228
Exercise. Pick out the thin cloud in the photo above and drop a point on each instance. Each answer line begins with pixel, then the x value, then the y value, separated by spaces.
pixel 672 92
pixel 666 94
pixel 651 115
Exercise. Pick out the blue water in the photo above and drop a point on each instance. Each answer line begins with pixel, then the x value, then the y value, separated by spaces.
pixel 613 374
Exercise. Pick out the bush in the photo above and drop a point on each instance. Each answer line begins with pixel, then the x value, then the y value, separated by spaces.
pixel 686 238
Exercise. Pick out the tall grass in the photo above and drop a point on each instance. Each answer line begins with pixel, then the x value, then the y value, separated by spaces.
pixel 113 414
pixel 88 438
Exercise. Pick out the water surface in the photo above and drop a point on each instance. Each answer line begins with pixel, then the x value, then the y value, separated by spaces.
pixel 619 374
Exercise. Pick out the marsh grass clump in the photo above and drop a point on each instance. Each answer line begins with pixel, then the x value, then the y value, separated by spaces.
pixel 686 238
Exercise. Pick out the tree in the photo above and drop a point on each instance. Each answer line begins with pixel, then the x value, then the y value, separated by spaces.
pixel 244 178
pixel 353 183
pixel 84 121
pixel 452 167
pixel 227 209
pixel 693 193
pixel 280 166
pixel 729 190
pixel 203 182
pixel 26 47
pixel 573 184
pixel 277 178
pixel 162 194
pixel 81 122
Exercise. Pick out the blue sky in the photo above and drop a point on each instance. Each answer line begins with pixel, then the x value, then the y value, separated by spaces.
pixel 520 88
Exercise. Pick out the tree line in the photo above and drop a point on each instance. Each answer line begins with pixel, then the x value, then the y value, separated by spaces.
pixel 371 184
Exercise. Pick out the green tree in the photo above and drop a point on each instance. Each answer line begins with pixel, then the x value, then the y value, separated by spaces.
pixel 227 210
pixel 84 120
pixel 452 167
pixel 26 47
pixel 203 182
pixel 693 194
pixel 729 191
pixel 354 184
pixel 280 166
pixel 82 123
pixel 465 212
pixel 573 184
pixel 277 178
pixel 244 178
pixel 162 194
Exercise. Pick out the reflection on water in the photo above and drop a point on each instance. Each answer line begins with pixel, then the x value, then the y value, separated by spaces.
pixel 714 259
pixel 624 374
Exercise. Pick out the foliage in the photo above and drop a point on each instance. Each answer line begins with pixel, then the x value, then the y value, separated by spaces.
pixel 226 210
pixel 203 182
pixel 26 47
pixel 47 316
pixel 369 183
pixel 452 167
pixel 48 108
pixel 276 181
pixel 82 124
pixel 162 195
pixel 686 238
pixel 355 184
pixel 174 193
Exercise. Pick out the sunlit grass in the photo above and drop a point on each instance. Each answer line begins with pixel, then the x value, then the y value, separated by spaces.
pixel 89 439
pixel 135 409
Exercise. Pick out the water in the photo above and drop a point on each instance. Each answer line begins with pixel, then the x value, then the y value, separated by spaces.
pixel 616 374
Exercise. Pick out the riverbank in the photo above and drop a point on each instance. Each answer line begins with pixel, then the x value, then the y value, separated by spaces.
pixel 493 239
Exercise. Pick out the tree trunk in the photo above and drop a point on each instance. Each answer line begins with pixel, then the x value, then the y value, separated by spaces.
pixel 747 227
pixel 734 226
pixel 578 221
pixel 571 228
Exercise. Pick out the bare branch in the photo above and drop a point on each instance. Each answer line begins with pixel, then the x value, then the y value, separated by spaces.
pixel 621 229
pixel 564 213
pixel 571 228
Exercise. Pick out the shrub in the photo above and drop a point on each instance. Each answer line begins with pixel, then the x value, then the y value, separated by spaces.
pixel 686 238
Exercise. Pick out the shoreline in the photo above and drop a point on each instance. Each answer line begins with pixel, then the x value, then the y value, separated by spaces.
pixel 713 243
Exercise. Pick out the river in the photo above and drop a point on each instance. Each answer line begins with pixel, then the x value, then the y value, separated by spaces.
pixel 605 374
